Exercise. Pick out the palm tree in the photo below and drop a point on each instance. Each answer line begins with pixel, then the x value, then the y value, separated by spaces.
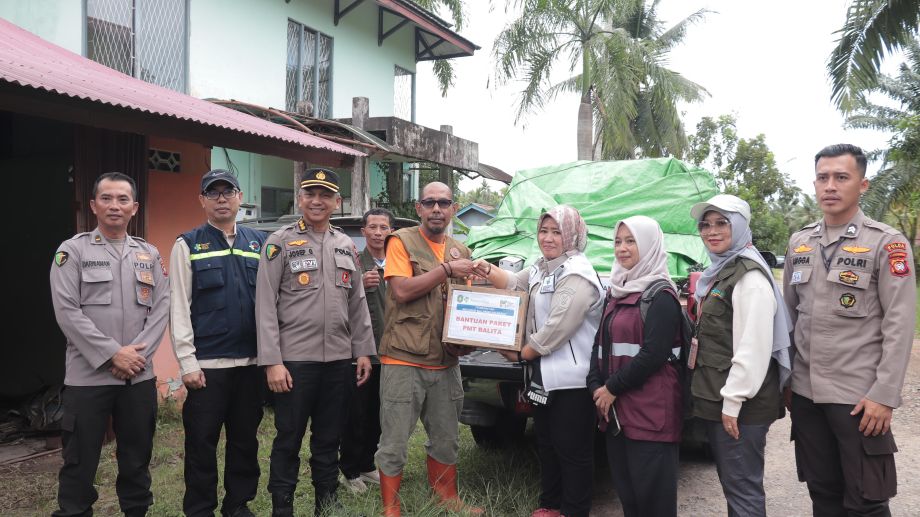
pixel 616 50
pixel 872 28
pixel 893 191
pixel 442 68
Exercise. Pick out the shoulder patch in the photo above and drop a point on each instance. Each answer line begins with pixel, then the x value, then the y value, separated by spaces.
pixel 272 251
pixel 896 246
pixel 60 258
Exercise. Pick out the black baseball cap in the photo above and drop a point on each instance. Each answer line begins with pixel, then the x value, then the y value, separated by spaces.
pixel 216 175
pixel 320 177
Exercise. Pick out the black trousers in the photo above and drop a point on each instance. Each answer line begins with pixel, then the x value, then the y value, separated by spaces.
pixel 362 429
pixel 321 391
pixel 644 475
pixel 565 444
pixel 847 474
pixel 231 400
pixel 87 409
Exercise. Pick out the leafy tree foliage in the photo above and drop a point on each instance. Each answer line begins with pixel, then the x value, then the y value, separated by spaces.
pixel 747 168
pixel 872 28
pixel 617 52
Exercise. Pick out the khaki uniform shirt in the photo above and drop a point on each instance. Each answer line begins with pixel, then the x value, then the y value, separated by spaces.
pixel 105 299
pixel 854 318
pixel 310 302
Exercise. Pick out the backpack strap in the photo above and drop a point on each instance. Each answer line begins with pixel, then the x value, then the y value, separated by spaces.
pixel 651 292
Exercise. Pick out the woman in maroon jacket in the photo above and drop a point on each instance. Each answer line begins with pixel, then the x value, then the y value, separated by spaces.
pixel 635 388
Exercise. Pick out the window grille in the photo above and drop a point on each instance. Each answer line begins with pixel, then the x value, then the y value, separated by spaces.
pixel 309 71
pixel 404 94
pixel 146 39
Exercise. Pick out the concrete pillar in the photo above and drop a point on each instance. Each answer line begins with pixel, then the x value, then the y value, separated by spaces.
pixel 360 180
pixel 445 174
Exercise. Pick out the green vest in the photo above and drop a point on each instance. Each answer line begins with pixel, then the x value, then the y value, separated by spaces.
pixel 412 330
pixel 714 358
pixel 376 296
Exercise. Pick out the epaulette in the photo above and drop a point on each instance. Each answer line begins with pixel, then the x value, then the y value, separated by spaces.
pixel 810 225
pixel 872 223
pixel 79 235
pixel 336 228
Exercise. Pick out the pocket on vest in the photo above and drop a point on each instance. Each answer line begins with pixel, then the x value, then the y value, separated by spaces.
pixel 710 374
pixel 417 332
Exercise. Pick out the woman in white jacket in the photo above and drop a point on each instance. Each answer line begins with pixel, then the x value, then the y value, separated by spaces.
pixel 742 361
pixel 566 298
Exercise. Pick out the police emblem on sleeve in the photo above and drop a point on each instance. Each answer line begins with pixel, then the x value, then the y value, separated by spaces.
pixel 60 258
pixel 897 261
pixel 272 251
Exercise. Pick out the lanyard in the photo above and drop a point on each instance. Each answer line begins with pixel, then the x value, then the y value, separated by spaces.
pixel 824 257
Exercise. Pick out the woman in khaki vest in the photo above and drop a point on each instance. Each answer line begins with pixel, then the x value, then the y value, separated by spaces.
pixel 741 360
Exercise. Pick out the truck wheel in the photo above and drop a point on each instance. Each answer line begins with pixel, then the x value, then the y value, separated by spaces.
pixel 508 431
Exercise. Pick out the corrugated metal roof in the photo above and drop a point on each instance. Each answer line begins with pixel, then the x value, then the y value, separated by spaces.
pixel 29 61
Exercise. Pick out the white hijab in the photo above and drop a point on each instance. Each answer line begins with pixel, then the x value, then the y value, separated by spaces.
pixel 653 258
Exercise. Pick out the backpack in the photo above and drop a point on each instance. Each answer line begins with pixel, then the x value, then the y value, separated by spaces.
pixel 684 372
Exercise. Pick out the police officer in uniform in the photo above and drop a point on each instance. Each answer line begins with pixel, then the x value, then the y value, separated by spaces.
pixel 312 322
pixel 850 287
pixel 213 327
pixel 111 300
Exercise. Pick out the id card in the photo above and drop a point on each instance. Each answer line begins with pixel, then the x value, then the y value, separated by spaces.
pixel 694 348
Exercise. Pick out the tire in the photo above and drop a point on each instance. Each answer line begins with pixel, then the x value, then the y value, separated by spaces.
pixel 507 431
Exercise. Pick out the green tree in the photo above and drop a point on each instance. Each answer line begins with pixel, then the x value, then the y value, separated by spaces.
pixel 894 192
pixel 443 68
pixel 747 168
pixel 483 194
pixel 872 29
pixel 617 50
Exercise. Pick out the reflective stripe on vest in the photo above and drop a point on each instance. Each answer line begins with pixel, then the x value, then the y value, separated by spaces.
pixel 223 253
pixel 631 350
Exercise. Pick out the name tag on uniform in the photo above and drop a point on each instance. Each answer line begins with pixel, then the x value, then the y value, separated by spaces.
pixel 303 264
pixel 548 285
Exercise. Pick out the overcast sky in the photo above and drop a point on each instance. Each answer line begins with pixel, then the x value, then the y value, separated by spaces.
pixel 764 61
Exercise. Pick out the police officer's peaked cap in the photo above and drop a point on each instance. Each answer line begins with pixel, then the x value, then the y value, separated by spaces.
pixel 320 177
pixel 216 175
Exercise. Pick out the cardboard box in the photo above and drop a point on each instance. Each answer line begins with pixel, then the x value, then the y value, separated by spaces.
pixel 485 317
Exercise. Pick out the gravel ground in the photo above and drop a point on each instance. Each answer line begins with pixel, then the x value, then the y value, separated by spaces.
pixel 699 492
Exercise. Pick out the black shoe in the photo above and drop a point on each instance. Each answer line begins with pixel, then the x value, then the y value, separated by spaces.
pixel 241 511
pixel 283 505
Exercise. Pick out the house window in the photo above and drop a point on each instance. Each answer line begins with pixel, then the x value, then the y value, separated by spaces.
pixel 147 39
pixel 277 201
pixel 404 94
pixel 309 71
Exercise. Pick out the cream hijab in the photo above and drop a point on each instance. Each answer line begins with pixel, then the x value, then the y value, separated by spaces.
pixel 653 258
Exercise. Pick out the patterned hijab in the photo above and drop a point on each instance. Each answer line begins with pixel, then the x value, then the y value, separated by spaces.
pixel 571 225
pixel 653 258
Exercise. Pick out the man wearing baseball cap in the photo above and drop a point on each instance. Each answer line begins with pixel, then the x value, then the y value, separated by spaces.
pixel 213 327
pixel 313 321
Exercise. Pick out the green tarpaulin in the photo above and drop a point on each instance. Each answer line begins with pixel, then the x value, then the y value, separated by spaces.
pixel 604 193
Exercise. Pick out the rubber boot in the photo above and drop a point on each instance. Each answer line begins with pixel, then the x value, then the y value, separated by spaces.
pixel 443 481
pixel 283 505
pixel 389 492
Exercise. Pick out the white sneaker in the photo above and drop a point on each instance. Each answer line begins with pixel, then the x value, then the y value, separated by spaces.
pixel 370 477
pixel 355 486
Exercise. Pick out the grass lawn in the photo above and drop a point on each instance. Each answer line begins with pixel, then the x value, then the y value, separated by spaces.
pixel 505 483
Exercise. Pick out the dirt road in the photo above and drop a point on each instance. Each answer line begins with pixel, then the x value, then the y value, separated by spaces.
pixel 699 492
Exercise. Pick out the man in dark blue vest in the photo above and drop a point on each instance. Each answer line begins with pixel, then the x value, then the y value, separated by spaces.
pixel 212 321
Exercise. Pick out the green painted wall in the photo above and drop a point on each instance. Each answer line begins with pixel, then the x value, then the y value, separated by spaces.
pixel 58 21
pixel 239 51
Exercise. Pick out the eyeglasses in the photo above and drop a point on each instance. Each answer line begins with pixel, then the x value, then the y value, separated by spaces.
pixel 214 195
pixel 719 225
pixel 443 203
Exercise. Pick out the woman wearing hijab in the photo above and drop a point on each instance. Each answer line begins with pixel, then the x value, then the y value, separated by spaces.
pixel 743 351
pixel 635 387
pixel 566 298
